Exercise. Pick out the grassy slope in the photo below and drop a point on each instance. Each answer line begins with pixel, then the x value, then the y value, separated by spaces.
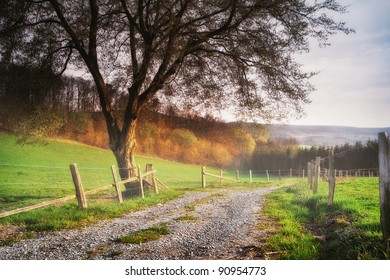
pixel 306 228
pixel 41 172
pixel 30 174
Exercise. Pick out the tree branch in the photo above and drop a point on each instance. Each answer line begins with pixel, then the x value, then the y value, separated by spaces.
pixel 66 61
pixel 68 29
pixel 93 31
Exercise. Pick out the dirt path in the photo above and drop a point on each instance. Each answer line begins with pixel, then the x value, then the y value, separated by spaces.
pixel 220 224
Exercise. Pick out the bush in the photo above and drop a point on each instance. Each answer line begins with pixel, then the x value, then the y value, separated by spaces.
pixel 220 155
pixel 39 126
pixel 183 137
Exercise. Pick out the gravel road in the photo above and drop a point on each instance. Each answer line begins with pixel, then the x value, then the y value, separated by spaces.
pixel 223 226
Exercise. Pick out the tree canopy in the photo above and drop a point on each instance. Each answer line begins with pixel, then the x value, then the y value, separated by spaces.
pixel 217 52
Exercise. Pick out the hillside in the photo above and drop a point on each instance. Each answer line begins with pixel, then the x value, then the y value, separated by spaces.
pixel 325 135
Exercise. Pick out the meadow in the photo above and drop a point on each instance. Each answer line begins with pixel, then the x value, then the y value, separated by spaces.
pixel 304 227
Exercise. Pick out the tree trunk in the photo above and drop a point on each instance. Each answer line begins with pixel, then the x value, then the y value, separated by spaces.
pixel 123 150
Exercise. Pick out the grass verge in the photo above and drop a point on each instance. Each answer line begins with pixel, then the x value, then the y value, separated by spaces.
pixel 303 227
pixel 70 215
pixel 145 235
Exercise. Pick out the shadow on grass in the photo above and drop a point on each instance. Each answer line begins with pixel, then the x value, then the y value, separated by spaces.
pixel 338 230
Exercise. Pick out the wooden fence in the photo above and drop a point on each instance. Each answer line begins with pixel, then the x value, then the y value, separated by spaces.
pixel 80 194
pixel 148 175
pixel 220 176
pixel 314 171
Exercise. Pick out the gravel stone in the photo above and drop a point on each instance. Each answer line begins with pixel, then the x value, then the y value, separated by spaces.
pixel 225 223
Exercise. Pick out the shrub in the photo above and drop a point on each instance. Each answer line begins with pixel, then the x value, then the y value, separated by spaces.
pixel 39 126
pixel 183 137
pixel 220 155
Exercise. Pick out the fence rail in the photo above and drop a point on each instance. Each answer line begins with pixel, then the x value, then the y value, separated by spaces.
pixel 252 175
pixel 220 177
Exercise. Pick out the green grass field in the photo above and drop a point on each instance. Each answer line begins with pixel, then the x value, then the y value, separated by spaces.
pixel 305 228
pixel 30 174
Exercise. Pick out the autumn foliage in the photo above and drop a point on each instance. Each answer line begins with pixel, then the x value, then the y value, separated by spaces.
pixel 193 139
pixel 190 139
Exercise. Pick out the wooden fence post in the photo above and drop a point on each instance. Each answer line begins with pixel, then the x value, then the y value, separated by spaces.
pixel 384 186
pixel 250 176
pixel 290 173
pixel 148 178
pixel 203 177
pixel 117 184
pixel 267 175
pixel 280 176
pixel 326 174
pixel 238 175
pixel 316 174
pixel 310 172
pixel 331 178
pixel 151 178
pixel 141 184
pixel 81 199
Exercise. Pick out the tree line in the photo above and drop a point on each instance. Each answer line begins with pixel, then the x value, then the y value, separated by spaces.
pixel 286 154
pixel 25 90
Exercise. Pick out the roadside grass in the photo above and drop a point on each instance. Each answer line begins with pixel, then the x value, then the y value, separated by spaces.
pixel 70 215
pixel 304 227
pixel 30 174
pixel 145 235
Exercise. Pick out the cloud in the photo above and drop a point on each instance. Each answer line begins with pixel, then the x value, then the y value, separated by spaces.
pixel 353 82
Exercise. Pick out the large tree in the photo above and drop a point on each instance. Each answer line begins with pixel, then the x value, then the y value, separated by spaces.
pixel 200 54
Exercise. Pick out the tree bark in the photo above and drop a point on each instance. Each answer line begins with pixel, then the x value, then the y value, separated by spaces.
pixel 124 150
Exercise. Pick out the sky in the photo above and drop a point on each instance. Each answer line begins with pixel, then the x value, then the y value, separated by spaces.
pixel 353 84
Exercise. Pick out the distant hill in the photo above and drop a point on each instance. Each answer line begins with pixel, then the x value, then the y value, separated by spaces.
pixel 325 135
